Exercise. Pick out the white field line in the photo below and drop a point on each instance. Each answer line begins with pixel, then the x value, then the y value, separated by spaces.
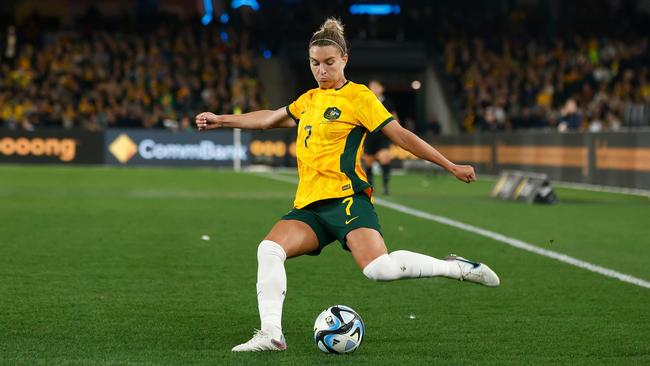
pixel 515 243
pixel 597 188
pixel 497 237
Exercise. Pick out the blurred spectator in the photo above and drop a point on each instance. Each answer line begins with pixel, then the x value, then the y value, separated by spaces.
pixel 571 118
pixel 10 44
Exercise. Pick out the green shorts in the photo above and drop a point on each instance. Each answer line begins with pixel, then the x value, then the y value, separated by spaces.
pixel 333 219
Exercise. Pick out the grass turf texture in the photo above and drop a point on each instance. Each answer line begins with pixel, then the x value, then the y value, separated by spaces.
pixel 104 266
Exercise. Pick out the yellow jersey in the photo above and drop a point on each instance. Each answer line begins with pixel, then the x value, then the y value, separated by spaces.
pixel 332 125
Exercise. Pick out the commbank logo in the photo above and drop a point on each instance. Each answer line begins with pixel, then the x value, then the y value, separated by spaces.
pixel 64 148
pixel 123 148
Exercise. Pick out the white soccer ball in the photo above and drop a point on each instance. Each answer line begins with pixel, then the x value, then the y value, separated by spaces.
pixel 338 329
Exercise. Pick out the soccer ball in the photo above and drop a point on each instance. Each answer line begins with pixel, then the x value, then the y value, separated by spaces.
pixel 338 329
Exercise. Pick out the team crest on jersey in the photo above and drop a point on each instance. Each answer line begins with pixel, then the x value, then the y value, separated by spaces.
pixel 332 113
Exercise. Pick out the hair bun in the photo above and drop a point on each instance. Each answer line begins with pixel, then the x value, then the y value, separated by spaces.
pixel 330 34
pixel 332 25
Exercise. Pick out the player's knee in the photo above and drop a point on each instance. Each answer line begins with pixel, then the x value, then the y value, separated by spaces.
pixel 382 268
pixel 270 248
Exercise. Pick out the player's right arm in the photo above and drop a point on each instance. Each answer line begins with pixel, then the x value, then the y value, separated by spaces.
pixel 258 120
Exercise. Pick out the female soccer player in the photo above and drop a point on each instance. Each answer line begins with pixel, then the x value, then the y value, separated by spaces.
pixel 334 199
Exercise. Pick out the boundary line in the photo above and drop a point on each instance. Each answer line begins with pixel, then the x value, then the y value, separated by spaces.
pixel 516 243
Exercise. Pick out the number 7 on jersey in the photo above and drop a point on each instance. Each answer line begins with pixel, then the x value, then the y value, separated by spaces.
pixel 308 129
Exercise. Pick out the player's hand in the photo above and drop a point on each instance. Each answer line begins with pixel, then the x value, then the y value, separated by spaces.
pixel 464 173
pixel 207 121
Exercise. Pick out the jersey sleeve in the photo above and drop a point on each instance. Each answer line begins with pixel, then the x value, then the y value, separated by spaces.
pixel 370 112
pixel 295 109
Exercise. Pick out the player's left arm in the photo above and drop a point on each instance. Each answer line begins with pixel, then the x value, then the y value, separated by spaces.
pixel 408 141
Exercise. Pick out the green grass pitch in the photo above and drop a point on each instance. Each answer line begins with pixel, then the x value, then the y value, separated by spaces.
pixel 102 266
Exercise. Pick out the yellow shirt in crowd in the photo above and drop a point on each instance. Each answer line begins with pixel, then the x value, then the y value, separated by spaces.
pixel 332 125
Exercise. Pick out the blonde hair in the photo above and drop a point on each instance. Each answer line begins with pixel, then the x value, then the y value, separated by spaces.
pixel 330 33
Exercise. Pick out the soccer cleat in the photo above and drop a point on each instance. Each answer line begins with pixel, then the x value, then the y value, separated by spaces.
pixel 475 272
pixel 262 341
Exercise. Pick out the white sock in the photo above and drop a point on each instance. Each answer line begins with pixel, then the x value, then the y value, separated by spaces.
pixel 271 286
pixel 404 264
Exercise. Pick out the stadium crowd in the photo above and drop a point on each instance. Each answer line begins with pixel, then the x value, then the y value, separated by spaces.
pixel 581 84
pixel 100 78
pixel 504 68
pixel 581 66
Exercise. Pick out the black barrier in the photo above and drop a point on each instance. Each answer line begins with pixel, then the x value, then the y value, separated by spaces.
pixel 162 148
pixel 51 147
pixel 613 159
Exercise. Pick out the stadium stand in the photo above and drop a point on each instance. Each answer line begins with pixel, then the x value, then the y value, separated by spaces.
pixel 504 66
pixel 592 84
pixel 112 75
pixel 568 66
